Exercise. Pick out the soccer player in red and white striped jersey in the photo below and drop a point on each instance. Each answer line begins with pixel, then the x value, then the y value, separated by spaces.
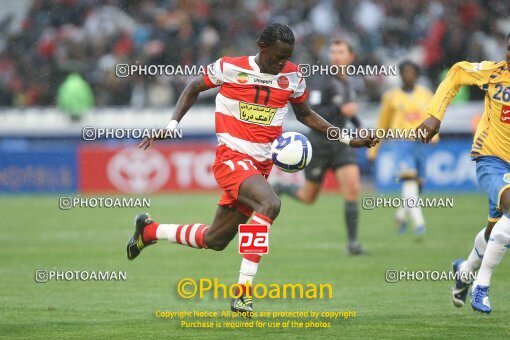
pixel 250 108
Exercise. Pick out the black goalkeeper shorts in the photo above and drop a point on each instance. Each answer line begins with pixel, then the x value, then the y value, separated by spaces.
pixel 326 155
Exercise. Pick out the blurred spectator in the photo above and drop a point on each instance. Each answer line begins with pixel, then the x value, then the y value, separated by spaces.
pixel 75 96
pixel 92 36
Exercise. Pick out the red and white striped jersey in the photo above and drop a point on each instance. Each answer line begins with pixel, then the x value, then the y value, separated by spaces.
pixel 251 105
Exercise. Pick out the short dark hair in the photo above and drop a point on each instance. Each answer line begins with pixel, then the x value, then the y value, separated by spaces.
pixel 405 63
pixel 277 31
pixel 340 41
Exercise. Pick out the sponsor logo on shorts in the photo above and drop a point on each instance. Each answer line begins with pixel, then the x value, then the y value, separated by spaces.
pixel 506 177
pixel 505 114
pixel 256 113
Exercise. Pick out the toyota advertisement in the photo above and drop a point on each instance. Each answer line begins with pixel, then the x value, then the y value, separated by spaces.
pixel 132 170
pixel 105 168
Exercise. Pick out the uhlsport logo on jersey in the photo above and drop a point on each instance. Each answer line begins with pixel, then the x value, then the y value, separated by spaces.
pixel 253 239
pixel 505 114
pixel 242 78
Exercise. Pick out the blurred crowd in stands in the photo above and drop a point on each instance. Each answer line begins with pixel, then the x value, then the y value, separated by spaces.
pixel 83 40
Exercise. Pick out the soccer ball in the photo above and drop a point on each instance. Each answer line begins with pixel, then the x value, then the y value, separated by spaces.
pixel 291 152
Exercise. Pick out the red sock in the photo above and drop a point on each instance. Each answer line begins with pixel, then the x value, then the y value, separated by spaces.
pixel 253 257
pixel 149 232
pixel 248 270
pixel 191 235
pixel 258 219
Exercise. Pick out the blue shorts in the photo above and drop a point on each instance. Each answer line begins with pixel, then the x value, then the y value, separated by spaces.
pixel 409 157
pixel 493 176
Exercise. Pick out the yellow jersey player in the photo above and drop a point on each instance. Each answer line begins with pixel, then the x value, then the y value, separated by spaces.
pixel 402 109
pixel 491 151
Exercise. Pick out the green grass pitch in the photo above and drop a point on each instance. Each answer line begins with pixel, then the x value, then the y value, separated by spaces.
pixel 307 245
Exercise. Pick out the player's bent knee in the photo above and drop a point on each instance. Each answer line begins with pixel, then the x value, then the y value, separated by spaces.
pixel 274 207
pixel 307 197
pixel 271 206
pixel 351 192
pixel 504 202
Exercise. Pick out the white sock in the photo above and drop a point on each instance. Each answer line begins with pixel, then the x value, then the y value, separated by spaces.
pixel 410 189
pixel 496 249
pixel 167 232
pixel 474 259
pixel 247 271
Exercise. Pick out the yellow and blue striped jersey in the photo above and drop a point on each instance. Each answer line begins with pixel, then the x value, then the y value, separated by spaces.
pixel 492 136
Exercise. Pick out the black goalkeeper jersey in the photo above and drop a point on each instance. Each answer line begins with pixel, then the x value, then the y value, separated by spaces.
pixel 327 94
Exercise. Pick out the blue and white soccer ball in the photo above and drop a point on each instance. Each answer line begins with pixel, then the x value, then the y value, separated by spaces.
pixel 291 152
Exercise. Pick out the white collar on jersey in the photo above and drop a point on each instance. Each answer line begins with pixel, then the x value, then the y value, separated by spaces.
pixel 256 68
pixel 253 64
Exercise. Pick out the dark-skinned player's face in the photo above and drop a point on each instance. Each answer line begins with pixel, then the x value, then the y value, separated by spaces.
pixel 274 57
pixel 409 75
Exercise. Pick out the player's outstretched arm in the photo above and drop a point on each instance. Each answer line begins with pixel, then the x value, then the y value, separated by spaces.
pixel 314 121
pixel 462 73
pixel 187 98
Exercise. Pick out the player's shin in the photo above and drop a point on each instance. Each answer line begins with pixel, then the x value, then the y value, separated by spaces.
pixel 401 214
pixel 474 259
pixel 401 219
pixel 410 190
pixel 351 215
pixel 496 249
pixel 250 262
pixel 191 235
pixel 249 266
